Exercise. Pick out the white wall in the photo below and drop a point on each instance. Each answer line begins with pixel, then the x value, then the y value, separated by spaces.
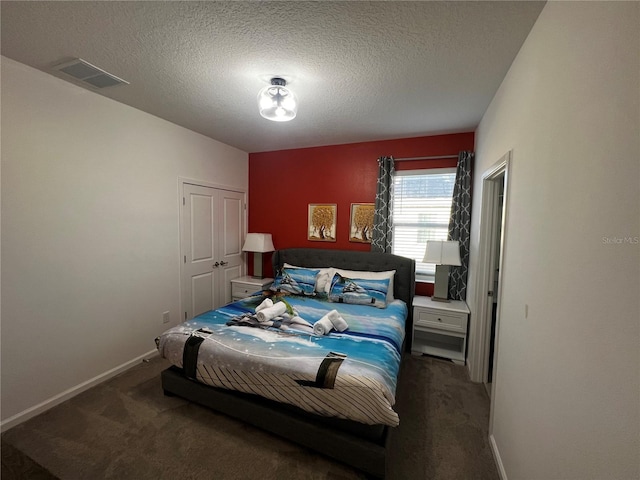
pixel 90 236
pixel 567 393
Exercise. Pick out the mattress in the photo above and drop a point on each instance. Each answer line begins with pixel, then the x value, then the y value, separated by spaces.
pixel 350 375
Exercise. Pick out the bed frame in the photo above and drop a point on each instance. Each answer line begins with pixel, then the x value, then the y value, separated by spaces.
pixel 361 446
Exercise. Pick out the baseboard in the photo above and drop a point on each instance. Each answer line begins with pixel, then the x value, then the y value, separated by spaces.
pixel 497 458
pixel 70 393
pixel 469 369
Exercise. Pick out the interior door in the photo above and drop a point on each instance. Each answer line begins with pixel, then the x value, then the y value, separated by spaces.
pixel 231 219
pixel 212 228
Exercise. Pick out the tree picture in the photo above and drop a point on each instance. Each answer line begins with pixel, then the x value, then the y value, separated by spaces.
pixel 361 222
pixel 322 222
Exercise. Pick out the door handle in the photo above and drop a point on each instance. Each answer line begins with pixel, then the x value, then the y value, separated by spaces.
pixel 215 265
pixel 223 263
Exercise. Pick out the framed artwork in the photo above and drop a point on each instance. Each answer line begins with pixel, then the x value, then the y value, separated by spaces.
pixel 361 224
pixel 322 222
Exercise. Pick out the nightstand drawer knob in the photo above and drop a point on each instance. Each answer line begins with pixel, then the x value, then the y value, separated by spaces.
pixel 439 319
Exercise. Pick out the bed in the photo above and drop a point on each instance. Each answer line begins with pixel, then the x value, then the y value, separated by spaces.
pixel 333 393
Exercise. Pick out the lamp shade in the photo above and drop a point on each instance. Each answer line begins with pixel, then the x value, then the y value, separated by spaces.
pixel 276 102
pixel 258 242
pixel 443 252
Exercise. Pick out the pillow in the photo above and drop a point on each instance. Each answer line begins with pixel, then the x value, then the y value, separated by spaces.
pixel 365 275
pixel 299 281
pixel 359 291
pixel 322 279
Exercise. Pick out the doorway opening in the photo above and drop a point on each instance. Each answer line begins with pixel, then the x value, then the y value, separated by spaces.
pixel 483 359
pixel 494 279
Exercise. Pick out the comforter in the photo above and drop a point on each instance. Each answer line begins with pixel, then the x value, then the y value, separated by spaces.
pixel 350 375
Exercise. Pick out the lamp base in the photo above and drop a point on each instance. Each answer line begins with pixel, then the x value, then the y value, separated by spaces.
pixel 441 285
pixel 257 265
pixel 438 299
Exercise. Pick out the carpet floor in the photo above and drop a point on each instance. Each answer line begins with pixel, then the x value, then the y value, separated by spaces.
pixel 126 428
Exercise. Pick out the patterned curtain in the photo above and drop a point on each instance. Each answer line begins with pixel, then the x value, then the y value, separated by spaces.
pixel 460 225
pixel 382 236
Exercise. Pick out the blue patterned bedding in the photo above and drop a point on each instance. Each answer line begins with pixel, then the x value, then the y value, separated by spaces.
pixel 285 365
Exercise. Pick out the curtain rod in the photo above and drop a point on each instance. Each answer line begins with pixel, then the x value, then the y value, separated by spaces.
pixel 426 158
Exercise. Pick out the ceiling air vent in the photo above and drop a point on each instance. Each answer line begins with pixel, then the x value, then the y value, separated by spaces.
pixel 87 73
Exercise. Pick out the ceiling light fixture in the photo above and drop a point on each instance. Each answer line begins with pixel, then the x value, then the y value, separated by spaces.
pixel 276 102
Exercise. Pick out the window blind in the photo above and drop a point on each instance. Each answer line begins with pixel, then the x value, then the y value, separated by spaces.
pixel 421 211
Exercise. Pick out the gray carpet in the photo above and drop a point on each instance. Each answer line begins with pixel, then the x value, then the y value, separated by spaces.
pixel 126 428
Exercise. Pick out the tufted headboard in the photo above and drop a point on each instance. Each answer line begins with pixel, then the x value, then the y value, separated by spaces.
pixel 404 279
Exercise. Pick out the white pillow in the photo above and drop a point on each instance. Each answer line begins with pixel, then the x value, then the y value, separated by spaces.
pixel 322 278
pixel 364 275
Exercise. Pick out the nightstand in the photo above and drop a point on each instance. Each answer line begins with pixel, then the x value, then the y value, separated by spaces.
pixel 242 287
pixel 440 328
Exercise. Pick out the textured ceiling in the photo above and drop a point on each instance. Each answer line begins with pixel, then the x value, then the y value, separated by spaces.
pixel 361 70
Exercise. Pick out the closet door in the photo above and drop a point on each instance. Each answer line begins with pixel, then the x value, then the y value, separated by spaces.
pixel 211 244
pixel 231 220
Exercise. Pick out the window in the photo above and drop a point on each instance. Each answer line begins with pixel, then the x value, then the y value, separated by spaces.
pixel 421 211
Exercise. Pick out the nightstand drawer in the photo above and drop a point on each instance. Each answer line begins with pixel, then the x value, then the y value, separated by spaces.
pixel 241 290
pixel 445 321
pixel 242 287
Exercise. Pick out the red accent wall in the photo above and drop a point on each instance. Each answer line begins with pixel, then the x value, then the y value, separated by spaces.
pixel 283 183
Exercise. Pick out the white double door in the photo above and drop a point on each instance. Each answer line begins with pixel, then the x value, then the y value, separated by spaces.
pixel 212 232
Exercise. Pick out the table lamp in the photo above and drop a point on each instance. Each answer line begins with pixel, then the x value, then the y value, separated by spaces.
pixel 258 243
pixel 443 254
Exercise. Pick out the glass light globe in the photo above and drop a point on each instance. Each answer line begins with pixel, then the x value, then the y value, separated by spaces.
pixel 276 102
